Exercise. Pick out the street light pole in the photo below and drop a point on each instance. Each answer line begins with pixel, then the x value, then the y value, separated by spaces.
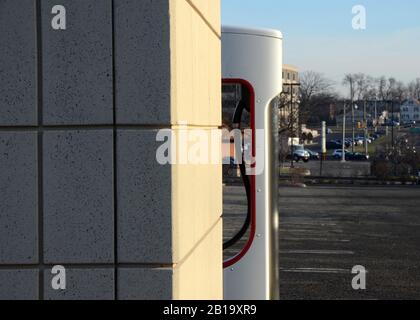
pixel 352 120
pixel 393 123
pixel 292 125
pixel 343 156
pixel 366 129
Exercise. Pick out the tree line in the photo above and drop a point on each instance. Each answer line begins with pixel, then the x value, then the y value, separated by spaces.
pixel 317 92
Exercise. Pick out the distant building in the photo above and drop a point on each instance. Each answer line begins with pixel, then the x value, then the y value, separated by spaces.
pixel 290 74
pixel 359 117
pixel 410 111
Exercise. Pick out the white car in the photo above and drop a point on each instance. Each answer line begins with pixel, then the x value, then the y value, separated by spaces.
pixel 359 141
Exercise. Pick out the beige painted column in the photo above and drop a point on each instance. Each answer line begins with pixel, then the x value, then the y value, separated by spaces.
pixel 196 189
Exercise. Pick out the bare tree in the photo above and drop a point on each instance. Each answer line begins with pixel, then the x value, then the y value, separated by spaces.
pixel 414 89
pixel 288 120
pixel 350 81
pixel 312 84
pixel 387 88
pixel 400 92
pixel 362 86
pixel 287 115
pixel 372 89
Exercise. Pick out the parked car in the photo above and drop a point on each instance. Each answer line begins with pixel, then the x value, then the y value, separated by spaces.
pixel 408 124
pixel 301 154
pixel 357 156
pixel 349 142
pixel 359 141
pixel 350 156
pixel 313 155
pixel 338 154
pixel 363 139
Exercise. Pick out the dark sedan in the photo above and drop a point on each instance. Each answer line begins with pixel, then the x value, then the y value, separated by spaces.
pixel 354 156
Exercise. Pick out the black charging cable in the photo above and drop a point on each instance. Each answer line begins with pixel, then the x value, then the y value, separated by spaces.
pixel 237 119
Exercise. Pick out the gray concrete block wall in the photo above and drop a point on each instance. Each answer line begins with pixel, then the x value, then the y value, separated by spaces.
pixel 17 63
pixel 77 64
pixel 78 196
pixel 79 185
pixel 145 284
pixel 142 71
pixel 18 198
pixel 19 284
pixel 144 200
pixel 82 284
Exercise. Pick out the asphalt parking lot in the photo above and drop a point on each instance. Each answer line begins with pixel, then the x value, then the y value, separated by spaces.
pixel 327 230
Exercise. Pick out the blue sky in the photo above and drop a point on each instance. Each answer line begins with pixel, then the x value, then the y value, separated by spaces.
pixel 318 34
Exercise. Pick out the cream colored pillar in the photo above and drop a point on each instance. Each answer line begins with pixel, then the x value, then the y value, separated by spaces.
pixel 196 189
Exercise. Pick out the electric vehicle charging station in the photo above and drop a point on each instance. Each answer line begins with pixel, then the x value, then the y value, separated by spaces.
pixel 252 60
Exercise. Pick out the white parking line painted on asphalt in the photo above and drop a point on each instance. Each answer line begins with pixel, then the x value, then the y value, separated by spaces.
pixel 315 270
pixel 315 224
pixel 327 252
pixel 310 230
pixel 314 239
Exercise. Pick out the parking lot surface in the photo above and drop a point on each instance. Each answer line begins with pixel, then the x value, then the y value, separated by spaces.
pixel 327 230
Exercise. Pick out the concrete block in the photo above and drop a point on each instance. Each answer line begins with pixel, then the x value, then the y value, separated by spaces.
pixel 77 64
pixel 145 284
pixel 142 60
pixel 18 198
pixel 19 284
pixel 82 284
pixel 144 200
pixel 18 105
pixel 78 196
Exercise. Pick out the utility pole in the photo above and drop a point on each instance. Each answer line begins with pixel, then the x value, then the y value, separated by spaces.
pixel 343 156
pixel 393 123
pixel 292 124
pixel 350 79
pixel 352 121
pixel 323 146
pixel 366 129
pixel 376 116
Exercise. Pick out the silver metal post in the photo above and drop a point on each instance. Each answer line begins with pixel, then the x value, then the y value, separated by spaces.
pixel 343 156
